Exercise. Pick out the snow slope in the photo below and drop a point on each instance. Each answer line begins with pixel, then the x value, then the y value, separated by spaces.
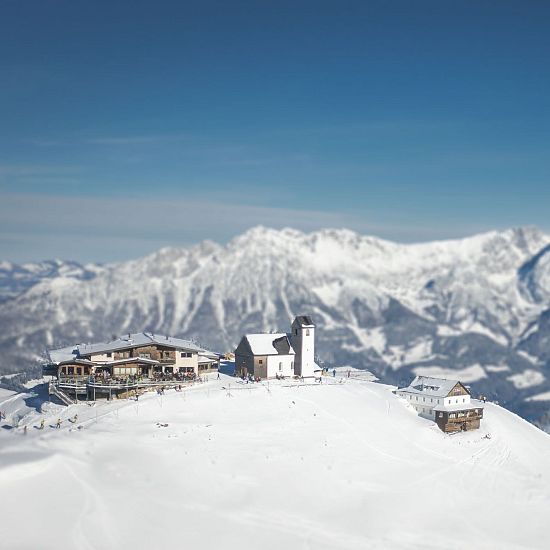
pixel 343 465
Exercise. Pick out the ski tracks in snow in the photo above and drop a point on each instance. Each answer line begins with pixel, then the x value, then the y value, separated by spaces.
pixel 92 510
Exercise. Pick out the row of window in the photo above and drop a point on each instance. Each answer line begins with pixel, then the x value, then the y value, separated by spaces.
pixel 74 370
pixel 167 354
pixel 126 354
pixel 424 399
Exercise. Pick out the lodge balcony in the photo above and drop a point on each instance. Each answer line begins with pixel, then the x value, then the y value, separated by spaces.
pixel 459 420
pixel 90 386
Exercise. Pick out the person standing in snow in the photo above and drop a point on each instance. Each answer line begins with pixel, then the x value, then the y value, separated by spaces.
pixel 333 373
pixel 218 375
pixel 58 424
pixel 41 425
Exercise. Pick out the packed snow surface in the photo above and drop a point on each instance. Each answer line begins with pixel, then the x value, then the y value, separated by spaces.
pixel 340 465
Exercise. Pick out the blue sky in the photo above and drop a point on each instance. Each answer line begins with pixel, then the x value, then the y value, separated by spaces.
pixel 126 126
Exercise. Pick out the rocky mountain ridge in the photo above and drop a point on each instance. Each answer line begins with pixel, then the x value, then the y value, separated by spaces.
pixel 477 308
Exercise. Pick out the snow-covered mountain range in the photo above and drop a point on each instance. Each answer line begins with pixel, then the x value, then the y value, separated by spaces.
pixel 15 279
pixel 476 308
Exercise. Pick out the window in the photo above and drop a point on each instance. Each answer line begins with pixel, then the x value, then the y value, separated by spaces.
pixel 186 354
pixel 295 332
pixel 452 415
pixel 280 366
pixel 145 355
pixel 307 332
pixel 424 399
pixel 260 362
pixel 110 354
pixel 292 364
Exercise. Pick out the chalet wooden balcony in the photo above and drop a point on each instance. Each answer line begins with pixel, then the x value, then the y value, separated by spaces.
pixel 469 416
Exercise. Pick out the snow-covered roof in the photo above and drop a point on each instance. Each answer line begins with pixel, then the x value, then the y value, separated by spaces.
pixel 63 354
pixel 474 404
pixel 74 361
pixel 124 342
pixel 265 344
pixel 433 387
pixel 135 340
pixel 207 357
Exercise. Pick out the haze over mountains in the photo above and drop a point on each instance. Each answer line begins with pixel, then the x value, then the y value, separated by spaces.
pixel 476 308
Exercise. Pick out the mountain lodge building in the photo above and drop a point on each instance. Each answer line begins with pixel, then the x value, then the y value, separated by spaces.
pixel 447 402
pixel 141 354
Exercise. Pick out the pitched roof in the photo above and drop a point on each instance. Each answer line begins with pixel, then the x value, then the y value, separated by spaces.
pixel 269 344
pixel 427 385
pixel 304 321
pixel 207 358
pixel 124 342
pixel 63 355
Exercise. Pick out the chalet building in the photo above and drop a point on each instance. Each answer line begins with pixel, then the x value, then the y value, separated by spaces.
pixel 142 354
pixel 281 354
pixel 447 402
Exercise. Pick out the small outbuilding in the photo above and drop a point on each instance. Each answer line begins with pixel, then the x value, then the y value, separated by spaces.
pixel 267 355
pixel 264 356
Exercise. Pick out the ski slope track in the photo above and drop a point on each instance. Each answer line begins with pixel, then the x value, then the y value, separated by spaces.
pixel 342 465
pixel 476 308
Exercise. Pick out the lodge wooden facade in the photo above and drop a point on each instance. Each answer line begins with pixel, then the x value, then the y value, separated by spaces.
pixel 460 420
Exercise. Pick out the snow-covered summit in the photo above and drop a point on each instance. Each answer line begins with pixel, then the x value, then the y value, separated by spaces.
pixel 343 465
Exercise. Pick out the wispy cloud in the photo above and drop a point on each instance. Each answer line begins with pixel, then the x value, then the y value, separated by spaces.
pixel 116 228
pixel 37 169
pixel 136 140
